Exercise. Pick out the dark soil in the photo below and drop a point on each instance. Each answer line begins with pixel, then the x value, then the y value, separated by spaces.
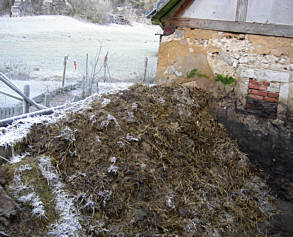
pixel 269 146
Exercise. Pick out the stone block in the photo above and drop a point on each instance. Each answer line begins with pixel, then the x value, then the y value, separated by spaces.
pixel 264 74
pixel 274 87
pixel 243 60
pixel 284 93
pixel 179 34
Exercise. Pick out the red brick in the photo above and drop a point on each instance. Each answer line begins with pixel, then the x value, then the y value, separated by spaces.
pixel 270 99
pixel 256 97
pixel 258 92
pixel 266 83
pixel 257 87
pixel 273 94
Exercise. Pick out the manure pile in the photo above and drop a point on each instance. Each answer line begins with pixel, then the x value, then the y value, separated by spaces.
pixel 148 161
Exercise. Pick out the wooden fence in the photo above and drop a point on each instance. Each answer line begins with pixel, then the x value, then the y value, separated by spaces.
pixel 7 112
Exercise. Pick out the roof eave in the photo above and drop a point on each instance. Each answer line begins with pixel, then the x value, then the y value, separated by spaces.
pixel 165 10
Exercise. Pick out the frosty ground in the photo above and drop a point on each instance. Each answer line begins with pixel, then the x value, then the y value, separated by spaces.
pixel 37 46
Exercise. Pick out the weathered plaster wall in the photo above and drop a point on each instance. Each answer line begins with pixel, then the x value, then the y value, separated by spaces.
pixel 245 57
pixel 255 108
pixel 270 11
pixel 212 9
pixel 261 11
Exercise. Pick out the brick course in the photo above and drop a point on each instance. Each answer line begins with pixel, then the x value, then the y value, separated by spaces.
pixel 273 94
pixel 256 97
pixel 263 98
pixel 271 99
pixel 258 92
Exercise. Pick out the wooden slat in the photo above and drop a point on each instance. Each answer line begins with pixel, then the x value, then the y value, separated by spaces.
pixel 231 26
pixel 186 4
pixel 241 10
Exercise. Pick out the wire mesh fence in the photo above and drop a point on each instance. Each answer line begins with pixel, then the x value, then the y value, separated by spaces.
pixel 7 112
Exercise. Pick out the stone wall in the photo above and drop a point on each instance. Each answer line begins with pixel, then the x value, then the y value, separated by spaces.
pixel 55 7
pixel 40 7
pixel 257 109
pixel 3 4
pixel 264 60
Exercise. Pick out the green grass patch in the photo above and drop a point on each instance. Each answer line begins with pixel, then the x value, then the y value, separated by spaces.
pixel 225 79
pixel 195 72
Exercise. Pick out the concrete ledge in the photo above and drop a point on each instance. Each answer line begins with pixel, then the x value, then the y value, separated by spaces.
pixel 264 74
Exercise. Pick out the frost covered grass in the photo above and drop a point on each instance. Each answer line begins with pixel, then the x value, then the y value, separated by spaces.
pixel 127 45
pixel 36 183
pixel 68 222
pixel 14 133
pixel 25 193
pixel 30 188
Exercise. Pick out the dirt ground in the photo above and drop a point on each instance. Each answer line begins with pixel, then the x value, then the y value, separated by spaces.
pixel 148 161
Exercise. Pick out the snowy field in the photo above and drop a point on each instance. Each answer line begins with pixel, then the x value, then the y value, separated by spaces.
pixel 37 45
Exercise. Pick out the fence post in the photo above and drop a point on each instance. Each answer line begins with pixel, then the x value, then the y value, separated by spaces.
pixel 64 71
pixel 85 78
pixel 145 68
pixel 26 106
pixel 105 65
pixel 47 100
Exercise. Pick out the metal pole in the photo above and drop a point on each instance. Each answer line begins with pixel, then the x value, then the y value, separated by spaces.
pixel 47 100
pixel 145 68
pixel 26 105
pixel 105 71
pixel 12 96
pixel 84 81
pixel 86 67
pixel 6 122
pixel 64 71
pixel 105 66
pixel 5 79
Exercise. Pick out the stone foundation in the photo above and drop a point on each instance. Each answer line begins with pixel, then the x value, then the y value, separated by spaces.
pixel 247 58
